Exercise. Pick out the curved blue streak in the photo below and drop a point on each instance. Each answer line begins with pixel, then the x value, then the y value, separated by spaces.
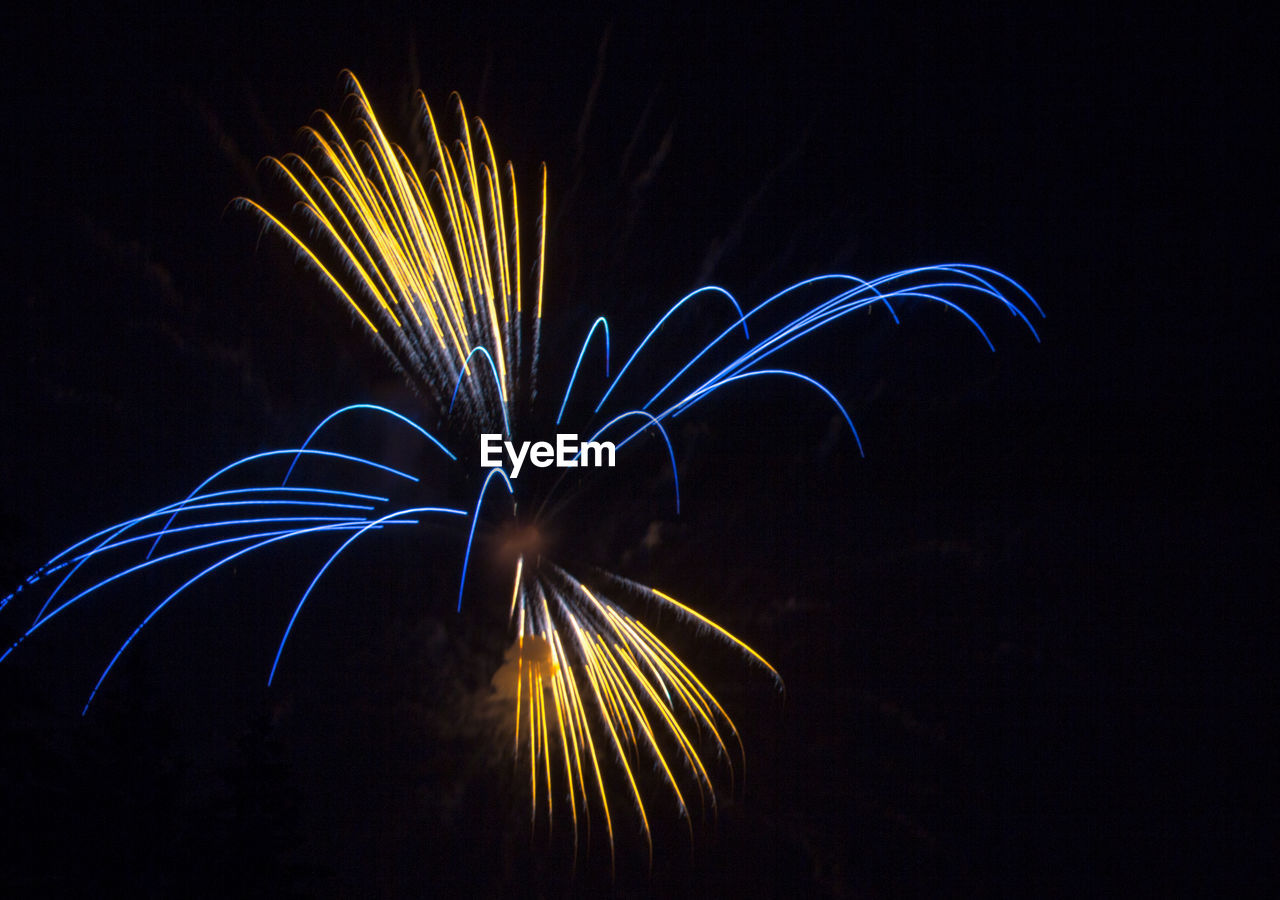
pixel 466 560
pixel 223 523
pixel 653 420
pixel 391 412
pixel 742 320
pixel 336 523
pixel 782 293
pixel 969 268
pixel 817 318
pixel 703 392
pixel 174 508
pixel 120 526
pixel 347 543
pixel 263 455
pixel 840 305
pixel 165 602
pixel 581 353
pixel 44 619
pixel 496 380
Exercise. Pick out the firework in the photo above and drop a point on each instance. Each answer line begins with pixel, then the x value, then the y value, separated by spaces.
pixel 434 264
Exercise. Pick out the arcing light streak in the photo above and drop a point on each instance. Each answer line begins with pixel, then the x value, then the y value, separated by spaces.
pixel 430 264
pixel 234 519
pixel 431 267
pixel 614 666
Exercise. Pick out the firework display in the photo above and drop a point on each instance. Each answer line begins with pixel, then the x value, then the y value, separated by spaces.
pixel 434 262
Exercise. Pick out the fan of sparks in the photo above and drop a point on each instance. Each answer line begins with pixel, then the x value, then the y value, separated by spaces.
pixel 429 261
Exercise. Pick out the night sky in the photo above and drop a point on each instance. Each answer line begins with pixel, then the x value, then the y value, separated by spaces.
pixel 1022 638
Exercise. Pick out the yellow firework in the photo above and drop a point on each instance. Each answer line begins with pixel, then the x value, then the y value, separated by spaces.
pixel 432 267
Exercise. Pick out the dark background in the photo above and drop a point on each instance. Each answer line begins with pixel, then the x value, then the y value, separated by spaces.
pixel 1023 638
